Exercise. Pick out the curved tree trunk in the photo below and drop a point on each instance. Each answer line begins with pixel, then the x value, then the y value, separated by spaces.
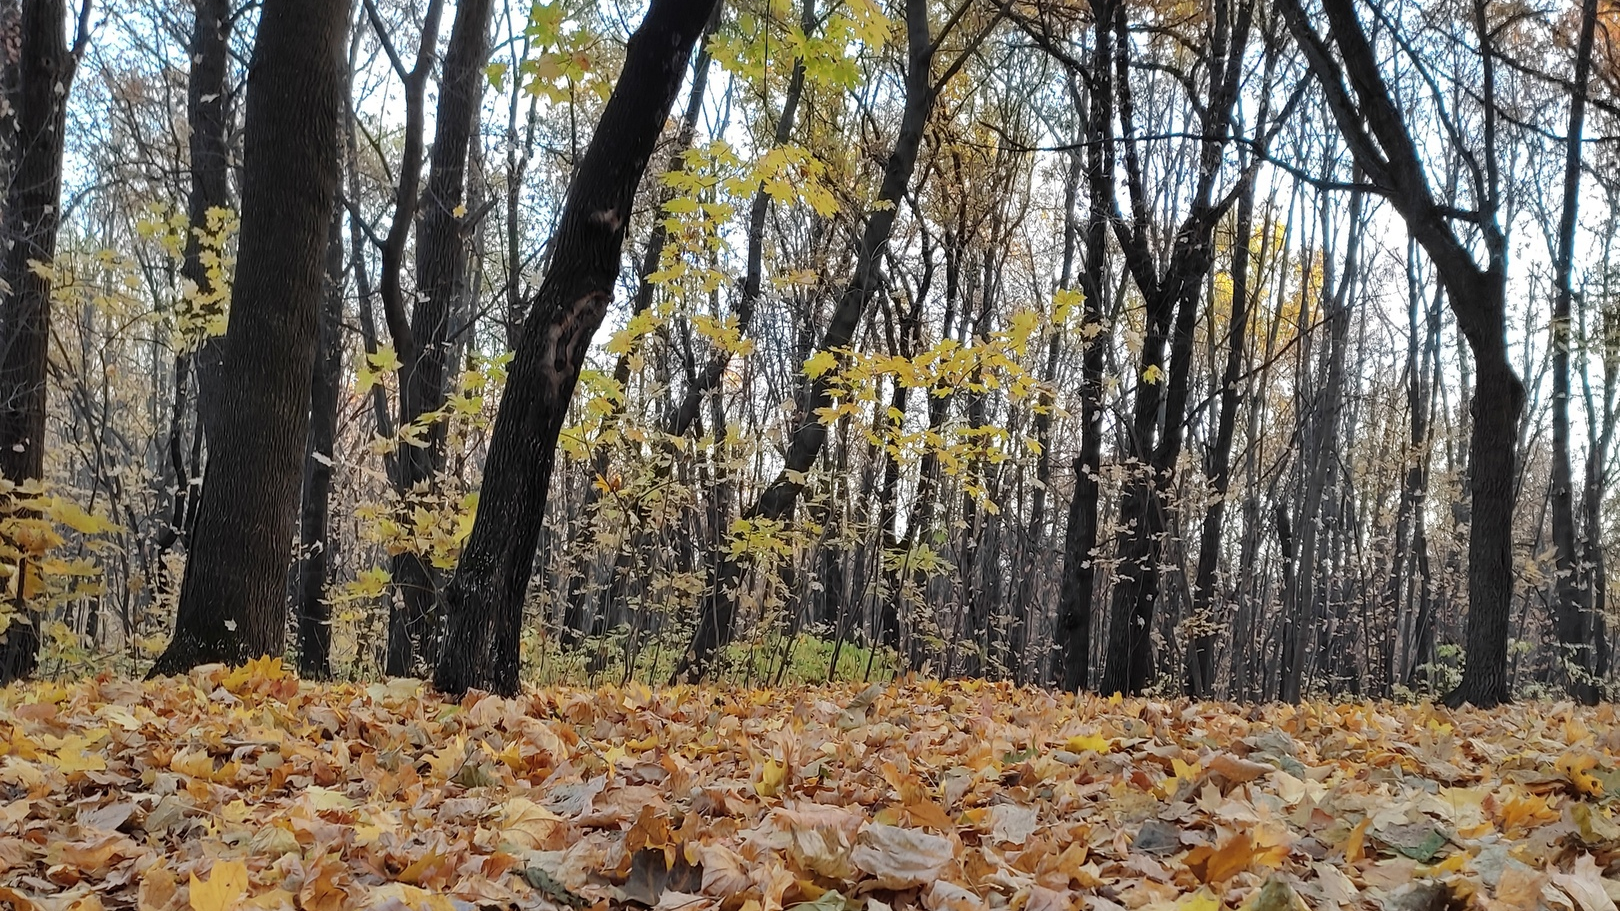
pixel 232 602
pixel 485 597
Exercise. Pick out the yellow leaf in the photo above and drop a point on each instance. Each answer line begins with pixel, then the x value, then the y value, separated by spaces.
pixel 1082 743
pixel 819 363
pixel 227 883
pixel 771 776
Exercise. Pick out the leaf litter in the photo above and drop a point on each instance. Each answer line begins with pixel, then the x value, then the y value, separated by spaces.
pixel 247 788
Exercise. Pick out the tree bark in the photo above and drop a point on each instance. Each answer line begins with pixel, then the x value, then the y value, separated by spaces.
pixel 232 602
pixel 1571 588
pixel 314 612
pixel 485 597
pixel 31 218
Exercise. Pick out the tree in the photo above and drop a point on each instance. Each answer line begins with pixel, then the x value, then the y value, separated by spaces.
pixel 313 610
pixel 484 600
pixel 32 214
pixel 232 604
pixel 1572 602
pixel 1366 112
pixel 424 349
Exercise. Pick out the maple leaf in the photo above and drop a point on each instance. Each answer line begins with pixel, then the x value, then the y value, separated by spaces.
pixel 227 882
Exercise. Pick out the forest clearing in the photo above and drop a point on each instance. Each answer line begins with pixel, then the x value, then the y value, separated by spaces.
pixel 249 789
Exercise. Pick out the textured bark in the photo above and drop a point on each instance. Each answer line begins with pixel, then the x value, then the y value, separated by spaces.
pixel 232 602
pixel 32 214
pixel 718 609
pixel 209 120
pixel 313 611
pixel 441 268
pixel 485 597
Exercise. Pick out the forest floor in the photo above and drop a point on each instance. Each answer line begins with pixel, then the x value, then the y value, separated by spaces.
pixel 248 788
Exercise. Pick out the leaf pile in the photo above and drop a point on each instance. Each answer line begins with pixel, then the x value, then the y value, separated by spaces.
pixel 249 789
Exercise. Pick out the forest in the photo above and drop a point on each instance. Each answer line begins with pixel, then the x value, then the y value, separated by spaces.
pixel 1240 349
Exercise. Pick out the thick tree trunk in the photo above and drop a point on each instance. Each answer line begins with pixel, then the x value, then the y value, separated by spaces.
pixel 32 214
pixel 232 603
pixel 441 267
pixel 314 612
pixel 485 597
pixel 719 605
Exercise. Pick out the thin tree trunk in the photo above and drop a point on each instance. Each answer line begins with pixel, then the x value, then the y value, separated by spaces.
pixel 315 547
pixel 209 120
pixel 1571 589
pixel 441 269
pixel 718 608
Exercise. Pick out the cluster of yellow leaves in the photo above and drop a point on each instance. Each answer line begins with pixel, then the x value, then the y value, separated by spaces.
pixel 198 313
pixel 250 789
pixel 36 570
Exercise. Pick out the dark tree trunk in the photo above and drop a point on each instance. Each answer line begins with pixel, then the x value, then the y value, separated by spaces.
pixel 32 214
pixel 1157 431
pixel 718 610
pixel 232 605
pixel 209 119
pixel 1572 589
pixel 1078 589
pixel 441 267
pixel 1201 654
pixel 485 597
pixel 314 611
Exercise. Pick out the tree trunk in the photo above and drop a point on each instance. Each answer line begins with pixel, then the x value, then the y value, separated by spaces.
pixel 441 266
pixel 31 218
pixel 1077 591
pixel 1571 588
pixel 209 120
pixel 484 600
pixel 232 605
pixel 1201 654
pixel 314 611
